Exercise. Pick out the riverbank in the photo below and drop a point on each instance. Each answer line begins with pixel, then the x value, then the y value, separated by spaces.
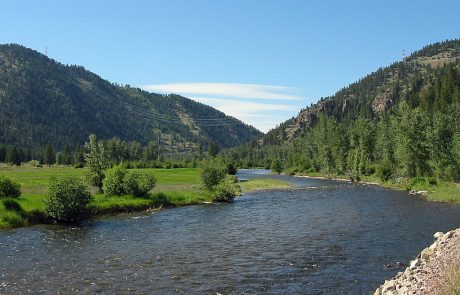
pixel 175 187
pixel 436 270
pixel 417 187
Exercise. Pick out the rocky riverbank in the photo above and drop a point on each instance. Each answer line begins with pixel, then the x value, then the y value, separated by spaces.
pixel 430 271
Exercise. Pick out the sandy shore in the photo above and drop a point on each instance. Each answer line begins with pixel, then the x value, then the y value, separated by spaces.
pixel 428 272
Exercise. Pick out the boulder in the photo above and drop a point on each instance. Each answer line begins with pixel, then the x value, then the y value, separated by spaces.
pixel 415 263
pixel 447 236
pixel 438 235
pixel 426 254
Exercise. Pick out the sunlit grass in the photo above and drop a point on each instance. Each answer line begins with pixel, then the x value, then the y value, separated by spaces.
pixel 263 184
pixel 446 192
pixel 175 187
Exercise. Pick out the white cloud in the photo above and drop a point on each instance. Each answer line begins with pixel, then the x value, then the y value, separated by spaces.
pixel 262 106
pixel 263 116
pixel 251 91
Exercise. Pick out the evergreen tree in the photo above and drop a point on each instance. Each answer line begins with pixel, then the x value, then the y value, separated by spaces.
pixel 49 156
pixel 213 149
pixel 66 155
pixel 2 154
pixel 13 156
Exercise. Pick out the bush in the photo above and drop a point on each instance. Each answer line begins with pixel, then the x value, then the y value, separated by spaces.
pixel 231 169
pixel 79 165
pixel 384 171
pixel 9 188
pixel 212 174
pixel 224 192
pixel 138 184
pixel 67 199
pixel 113 183
pixel 276 166
pixel 12 205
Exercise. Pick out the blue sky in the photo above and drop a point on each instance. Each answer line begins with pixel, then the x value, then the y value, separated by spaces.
pixel 260 61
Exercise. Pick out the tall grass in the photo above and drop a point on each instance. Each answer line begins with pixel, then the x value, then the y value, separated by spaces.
pixel 452 287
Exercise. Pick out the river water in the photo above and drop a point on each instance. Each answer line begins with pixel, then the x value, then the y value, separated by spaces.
pixel 322 237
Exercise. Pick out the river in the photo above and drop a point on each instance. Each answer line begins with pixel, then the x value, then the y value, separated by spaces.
pixel 321 237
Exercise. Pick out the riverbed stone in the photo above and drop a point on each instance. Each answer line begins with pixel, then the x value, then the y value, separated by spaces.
pixel 415 263
pixel 427 254
pixel 447 236
pixel 438 235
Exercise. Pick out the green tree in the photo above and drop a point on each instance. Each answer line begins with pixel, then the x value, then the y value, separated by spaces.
pixel 412 146
pixel 13 157
pixel 213 149
pixel 95 161
pixel 151 152
pixel 49 157
pixel 2 154
pixel 79 156
pixel 276 166
pixel 66 155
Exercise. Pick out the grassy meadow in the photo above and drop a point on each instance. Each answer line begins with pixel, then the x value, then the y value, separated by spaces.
pixel 175 187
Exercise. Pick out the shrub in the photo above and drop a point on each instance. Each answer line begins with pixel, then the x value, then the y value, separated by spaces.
pixel 79 165
pixel 224 192
pixel 12 205
pixel 231 169
pixel 67 199
pixel 212 174
pixel 112 185
pixel 9 188
pixel 384 171
pixel 276 166
pixel 138 184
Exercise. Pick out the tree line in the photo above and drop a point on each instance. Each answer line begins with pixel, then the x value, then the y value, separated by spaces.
pixel 420 136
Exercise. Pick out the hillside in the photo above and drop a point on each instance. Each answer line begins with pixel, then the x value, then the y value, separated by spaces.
pixel 378 92
pixel 43 101
pixel 400 122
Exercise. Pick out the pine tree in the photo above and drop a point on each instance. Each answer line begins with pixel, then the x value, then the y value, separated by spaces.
pixel 66 155
pixel 49 156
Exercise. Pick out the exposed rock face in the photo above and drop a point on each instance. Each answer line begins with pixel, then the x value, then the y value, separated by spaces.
pixel 382 103
pixel 427 273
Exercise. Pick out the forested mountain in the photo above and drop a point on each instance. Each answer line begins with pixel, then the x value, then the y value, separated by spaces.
pixel 45 102
pixel 400 121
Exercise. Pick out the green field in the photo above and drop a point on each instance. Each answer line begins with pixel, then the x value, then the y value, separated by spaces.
pixel 175 187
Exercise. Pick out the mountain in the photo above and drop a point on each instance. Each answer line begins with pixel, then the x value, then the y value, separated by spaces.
pixel 45 102
pixel 378 92
pixel 400 121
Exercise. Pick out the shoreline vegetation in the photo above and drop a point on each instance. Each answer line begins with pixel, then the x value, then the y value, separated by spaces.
pixel 421 187
pixel 175 188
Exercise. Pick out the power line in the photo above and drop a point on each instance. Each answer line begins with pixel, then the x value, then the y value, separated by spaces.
pixel 168 117
pixel 207 122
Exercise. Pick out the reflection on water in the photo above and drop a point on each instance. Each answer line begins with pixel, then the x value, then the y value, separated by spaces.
pixel 322 237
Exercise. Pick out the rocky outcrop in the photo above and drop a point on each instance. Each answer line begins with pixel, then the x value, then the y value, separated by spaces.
pixel 428 272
